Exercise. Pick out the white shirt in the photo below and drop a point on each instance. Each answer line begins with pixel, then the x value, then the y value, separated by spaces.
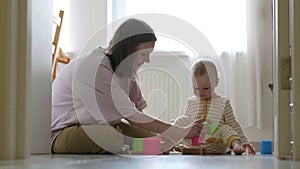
pixel 87 91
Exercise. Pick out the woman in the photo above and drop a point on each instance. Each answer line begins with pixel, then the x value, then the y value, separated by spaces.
pixel 97 103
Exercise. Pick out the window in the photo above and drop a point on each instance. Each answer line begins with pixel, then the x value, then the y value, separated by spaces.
pixel 224 23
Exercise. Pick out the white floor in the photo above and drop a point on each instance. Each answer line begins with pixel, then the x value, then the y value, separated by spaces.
pixel 150 162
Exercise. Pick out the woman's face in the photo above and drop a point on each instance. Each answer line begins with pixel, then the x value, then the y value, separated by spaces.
pixel 142 54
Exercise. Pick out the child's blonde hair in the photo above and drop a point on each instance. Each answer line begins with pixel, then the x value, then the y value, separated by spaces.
pixel 200 67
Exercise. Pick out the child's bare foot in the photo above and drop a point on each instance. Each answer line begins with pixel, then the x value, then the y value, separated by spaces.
pixel 238 149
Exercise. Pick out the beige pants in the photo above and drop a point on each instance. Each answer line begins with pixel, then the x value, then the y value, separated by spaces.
pixel 97 138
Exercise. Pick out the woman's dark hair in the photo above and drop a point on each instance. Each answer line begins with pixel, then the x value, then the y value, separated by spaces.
pixel 127 37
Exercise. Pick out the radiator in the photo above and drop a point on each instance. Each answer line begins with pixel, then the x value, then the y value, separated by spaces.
pixel 166 91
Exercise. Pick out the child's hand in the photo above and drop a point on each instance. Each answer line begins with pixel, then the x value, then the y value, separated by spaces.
pixel 238 149
pixel 250 149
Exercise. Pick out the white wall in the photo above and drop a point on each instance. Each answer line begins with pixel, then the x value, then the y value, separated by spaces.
pixel 82 20
pixel 82 28
pixel 39 76
pixel 86 19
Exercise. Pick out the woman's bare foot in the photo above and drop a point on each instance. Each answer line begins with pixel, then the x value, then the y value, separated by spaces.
pixel 237 148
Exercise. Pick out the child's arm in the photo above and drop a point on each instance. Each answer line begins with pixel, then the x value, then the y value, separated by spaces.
pixel 230 120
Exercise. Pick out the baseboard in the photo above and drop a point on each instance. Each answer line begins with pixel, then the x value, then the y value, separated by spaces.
pixel 256 145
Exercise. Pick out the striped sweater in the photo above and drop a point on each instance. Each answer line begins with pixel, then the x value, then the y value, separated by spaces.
pixel 217 109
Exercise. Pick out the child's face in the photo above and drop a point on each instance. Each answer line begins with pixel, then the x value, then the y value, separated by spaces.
pixel 204 87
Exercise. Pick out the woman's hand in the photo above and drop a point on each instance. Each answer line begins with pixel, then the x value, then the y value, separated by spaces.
pixel 173 135
pixel 194 129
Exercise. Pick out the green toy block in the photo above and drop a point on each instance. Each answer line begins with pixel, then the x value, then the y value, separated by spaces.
pixel 138 144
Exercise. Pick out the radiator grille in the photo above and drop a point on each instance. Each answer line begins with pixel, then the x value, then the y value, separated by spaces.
pixel 166 91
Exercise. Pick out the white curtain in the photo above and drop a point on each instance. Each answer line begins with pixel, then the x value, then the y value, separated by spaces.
pixel 236 29
pixel 243 70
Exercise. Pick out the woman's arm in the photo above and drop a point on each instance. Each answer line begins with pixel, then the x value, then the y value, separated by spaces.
pixel 152 124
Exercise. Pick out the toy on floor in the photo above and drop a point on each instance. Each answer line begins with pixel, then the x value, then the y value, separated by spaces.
pixel 192 151
pixel 265 147
pixel 209 130
pixel 145 146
